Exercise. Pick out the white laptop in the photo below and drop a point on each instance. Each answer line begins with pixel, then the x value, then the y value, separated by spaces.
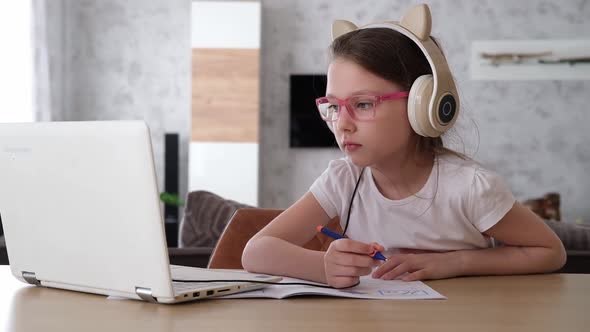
pixel 81 211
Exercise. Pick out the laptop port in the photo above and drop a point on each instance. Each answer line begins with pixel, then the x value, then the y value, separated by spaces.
pixel 196 294
pixel 210 292
pixel 223 290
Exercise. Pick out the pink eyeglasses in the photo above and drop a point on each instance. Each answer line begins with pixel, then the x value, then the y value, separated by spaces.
pixel 360 107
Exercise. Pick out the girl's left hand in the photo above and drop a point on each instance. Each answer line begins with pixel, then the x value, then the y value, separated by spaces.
pixel 410 267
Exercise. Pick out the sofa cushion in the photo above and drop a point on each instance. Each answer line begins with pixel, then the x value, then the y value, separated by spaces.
pixel 573 237
pixel 205 217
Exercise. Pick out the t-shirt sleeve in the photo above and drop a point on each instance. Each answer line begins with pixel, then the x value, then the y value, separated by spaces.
pixel 490 199
pixel 330 187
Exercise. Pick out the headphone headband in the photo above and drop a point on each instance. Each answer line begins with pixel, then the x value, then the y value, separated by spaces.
pixel 443 104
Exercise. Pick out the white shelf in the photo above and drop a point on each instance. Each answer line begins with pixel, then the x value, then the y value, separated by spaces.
pixel 521 59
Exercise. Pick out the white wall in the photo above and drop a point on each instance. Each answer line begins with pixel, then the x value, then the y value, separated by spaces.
pixel 125 60
pixel 227 169
pixel 225 24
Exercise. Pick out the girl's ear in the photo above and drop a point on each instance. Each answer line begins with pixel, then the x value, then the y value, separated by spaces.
pixel 340 27
pixel 418 21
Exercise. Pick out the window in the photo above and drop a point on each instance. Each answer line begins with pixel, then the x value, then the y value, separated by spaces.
pixel 16 62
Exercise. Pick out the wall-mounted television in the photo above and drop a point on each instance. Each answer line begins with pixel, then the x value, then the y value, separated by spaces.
pixel 307 129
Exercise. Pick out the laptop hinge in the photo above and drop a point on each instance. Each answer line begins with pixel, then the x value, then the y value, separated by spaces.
pixel 145 294
pixel 31 278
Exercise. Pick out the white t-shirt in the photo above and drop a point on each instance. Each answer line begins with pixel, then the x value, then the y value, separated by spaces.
pixel 459 201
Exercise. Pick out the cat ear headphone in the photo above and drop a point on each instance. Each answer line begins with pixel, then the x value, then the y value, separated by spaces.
pixel 433 103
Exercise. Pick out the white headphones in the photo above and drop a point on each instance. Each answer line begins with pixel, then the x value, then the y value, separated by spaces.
pixel 433 103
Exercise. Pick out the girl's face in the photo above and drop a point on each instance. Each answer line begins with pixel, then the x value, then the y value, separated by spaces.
pixel 368 142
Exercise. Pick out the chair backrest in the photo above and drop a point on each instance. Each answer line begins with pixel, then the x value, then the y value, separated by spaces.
pixel 243 225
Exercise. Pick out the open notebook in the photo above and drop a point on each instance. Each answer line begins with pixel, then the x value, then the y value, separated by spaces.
pixel 368 288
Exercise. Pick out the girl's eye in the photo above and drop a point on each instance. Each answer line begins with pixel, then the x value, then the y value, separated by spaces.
pixel 332 108
pixel 364 105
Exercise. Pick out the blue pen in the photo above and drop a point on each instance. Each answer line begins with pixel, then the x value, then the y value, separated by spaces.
pixel 376 254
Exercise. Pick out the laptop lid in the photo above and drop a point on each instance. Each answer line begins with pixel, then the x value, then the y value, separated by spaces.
pixel 79 203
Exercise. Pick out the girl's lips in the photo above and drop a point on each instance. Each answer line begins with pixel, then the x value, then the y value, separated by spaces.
pixel 351 146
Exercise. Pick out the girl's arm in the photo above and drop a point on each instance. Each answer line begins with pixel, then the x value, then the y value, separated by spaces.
pixel 530 247
pixel 277 249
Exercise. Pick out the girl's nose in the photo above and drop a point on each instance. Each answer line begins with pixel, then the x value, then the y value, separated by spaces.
pixel 345 122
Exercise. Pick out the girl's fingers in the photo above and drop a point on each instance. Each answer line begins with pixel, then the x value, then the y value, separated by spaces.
pixel 396 272
pixel 349 271
pixel 377 246
pixel 391 263
pixel 352 246
pixel 348 259
pixel 417 275
pixel 342 282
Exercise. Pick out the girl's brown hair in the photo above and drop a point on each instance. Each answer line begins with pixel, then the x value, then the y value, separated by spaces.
pixel 394 57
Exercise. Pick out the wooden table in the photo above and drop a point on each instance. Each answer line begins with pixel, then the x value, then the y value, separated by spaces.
pixel 555 302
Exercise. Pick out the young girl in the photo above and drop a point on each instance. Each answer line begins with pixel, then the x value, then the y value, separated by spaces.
pixel 429 210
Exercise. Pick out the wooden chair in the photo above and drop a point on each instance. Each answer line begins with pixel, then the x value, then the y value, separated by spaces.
pixel 244 224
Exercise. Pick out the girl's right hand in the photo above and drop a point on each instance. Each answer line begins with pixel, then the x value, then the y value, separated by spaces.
pixel 346 260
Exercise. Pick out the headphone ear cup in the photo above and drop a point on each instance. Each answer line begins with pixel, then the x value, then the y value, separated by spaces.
pixel 418 103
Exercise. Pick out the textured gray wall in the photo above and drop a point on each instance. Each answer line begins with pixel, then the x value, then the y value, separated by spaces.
pixel 126 60
pixel 131 59
pixel 532 132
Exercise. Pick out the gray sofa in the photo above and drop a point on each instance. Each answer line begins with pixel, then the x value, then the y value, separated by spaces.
pixel 576 240
pixel 206 215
